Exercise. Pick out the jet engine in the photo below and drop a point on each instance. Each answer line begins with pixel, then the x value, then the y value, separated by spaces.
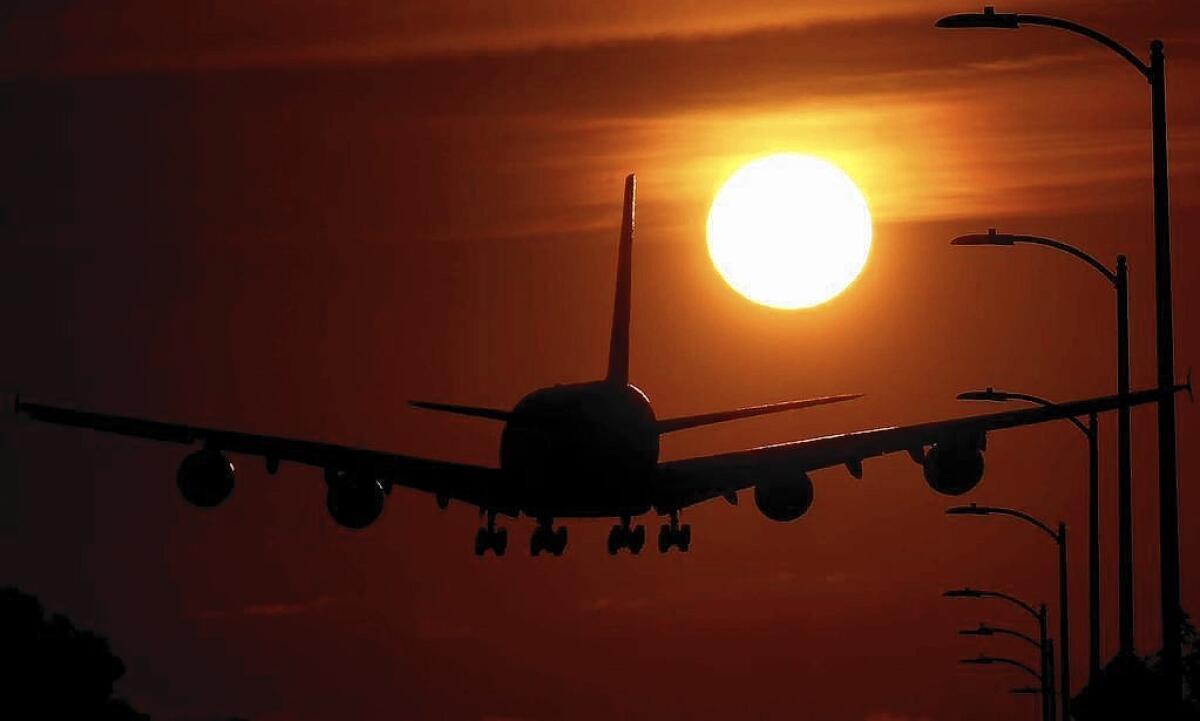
pixel 954 467
pixel 784 498
pixel 354 500
pixel 205 478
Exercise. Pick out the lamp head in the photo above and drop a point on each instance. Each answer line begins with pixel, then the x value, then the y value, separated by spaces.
pixel 980 660
pixel 1026 690
pixel 971 510
pixel 963 592
pixel 981 631
pixel 989 238
pixel 989 18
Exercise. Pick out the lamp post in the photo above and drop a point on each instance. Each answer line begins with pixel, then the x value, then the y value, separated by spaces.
pixel 1119 279
pixel 982 660
pixel 1090 431
pixel 1064 618
pixel 986 630
pixel 1168 492
pixel 1046 677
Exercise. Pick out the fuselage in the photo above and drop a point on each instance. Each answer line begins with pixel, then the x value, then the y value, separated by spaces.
pixel 585 449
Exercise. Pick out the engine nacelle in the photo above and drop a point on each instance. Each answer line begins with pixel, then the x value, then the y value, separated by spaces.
pixel 205 478
pixel 354 500
pixel 784 498
pixel 954 468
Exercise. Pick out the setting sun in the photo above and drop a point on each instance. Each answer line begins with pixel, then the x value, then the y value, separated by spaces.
pixel 789 231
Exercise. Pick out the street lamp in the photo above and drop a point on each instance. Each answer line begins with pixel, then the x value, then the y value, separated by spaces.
pixel 1168 492
pixel 1091 432
pixel 982 660
pixel 1046 677
pixel 987 660
pixel 986 630
pixel 1120 282
pixel 1064 623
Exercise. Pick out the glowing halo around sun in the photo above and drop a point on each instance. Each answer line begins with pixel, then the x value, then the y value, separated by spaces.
pixel 789 231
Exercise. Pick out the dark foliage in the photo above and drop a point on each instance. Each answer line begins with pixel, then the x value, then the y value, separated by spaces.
pixel 1135 688
pixel 54 670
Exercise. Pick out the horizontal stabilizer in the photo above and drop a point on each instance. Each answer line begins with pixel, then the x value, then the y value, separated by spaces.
pixel 676 424
pixel 492 413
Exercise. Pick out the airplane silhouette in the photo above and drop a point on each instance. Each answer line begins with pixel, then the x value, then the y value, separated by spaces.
pixel 590 450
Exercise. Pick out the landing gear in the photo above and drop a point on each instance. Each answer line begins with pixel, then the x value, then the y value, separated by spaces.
pixel 622 536
pixel 673 534
pixel 548 538
pixel 491 538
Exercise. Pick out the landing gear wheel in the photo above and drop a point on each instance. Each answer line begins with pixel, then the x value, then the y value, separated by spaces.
pixel 616 539
pixel 491 539
pixel 637 540
pixel 547 538
pixel 559 541
pixel 672 534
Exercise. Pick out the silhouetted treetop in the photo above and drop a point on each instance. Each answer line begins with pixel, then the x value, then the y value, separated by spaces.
pixel 54 670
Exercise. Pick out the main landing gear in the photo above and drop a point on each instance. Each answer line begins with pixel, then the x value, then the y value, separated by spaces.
pixel 622 536
pixel 548 538
pixel 491 538
pixel 673 534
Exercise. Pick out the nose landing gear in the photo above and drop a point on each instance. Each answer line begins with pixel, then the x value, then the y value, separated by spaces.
pixel 491 538
pixel 622 536
pixel 548 538
pixel 673 534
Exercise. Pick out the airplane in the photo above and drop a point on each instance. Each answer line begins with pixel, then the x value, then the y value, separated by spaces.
pixel 590 450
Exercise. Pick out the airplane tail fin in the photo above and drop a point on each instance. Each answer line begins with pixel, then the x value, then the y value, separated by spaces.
pixel 678 424
pixel 478 412
pixel 618 345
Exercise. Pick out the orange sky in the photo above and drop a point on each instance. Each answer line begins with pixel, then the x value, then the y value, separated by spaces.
pixel 293 217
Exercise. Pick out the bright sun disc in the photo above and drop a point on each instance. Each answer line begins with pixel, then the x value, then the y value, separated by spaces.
pixel 789 231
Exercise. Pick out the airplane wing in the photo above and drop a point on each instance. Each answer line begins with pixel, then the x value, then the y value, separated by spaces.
pixel 690 481
pixel 476 485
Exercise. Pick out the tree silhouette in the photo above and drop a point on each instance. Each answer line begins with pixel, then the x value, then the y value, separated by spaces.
pixel 54 670
pixel 1136 688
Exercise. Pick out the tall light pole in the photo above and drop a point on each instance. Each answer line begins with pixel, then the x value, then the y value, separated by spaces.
pixel 1047 709
pixel 1064 617
pixel 1168 491
pixel 988 631
pixel 1039 614
pixel 1091 432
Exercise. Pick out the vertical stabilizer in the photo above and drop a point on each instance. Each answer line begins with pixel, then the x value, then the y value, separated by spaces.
pixel 618 345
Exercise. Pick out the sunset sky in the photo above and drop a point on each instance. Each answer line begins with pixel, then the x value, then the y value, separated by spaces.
pixel 293 217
